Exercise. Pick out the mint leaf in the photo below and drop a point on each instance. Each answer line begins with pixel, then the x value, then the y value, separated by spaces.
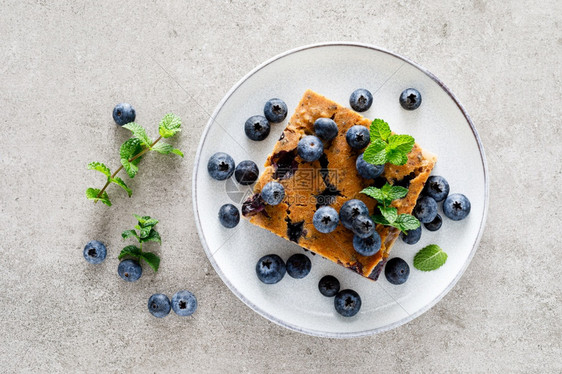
pixel 430 258
pixel 166 149
pixel 376 152
pixel 379 130
pixel 401 143
pixel 118 181
pixel 138 132
pixel 130 250
pixel 146 221
pixel 153 236
pixel 169 125
pixel 128 150
pixel 397 192
pixel 380 220
pixel 390 214
pixel 143 231
pixel 395 157
pixel 152 260
pixel 92 194
pixel 99 166
pixel 374 192
pixel 128 233
pixel 407 222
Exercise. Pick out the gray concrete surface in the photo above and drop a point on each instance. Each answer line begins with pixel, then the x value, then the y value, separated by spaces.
pixel 63 66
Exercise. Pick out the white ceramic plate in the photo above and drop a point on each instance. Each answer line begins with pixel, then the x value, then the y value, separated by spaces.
pixel 335 70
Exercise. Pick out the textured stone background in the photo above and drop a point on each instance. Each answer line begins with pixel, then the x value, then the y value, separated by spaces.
pixel 63 66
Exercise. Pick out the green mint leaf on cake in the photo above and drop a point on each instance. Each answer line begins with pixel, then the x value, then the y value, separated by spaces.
pixel 386 194
pixel 146 233
pixel 406 222
pixel 379 130
pixel 386 147
pixel 430 258
pixel 389 213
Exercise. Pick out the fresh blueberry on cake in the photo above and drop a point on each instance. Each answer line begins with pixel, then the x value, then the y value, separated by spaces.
pixel 426 209
pixel 325 128
pixel 436 187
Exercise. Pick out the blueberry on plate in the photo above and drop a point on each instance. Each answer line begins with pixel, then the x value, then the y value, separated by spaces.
pixel 273 193
pixel 184 303
pixel 325 128
pixel 426 209
pixel 275 110
pixel 123 113
pixel 361 100
pixel 159 305
pixel 246 172
pixel 436 187
pixel 396 271
pixel 347 303
pixel 363 226
pixel 329 286
pixel 412 237
pixel 456 207
pixel 310 148
pixel 95 252
pixel 325 219
pixel 257 128
pixel 367 170
pixel 270 269
pixel 435 224
pixel 229 216
pixel 367 246
pixel 410 99
pixel 129 270
pixel 350 210
pixel 220 166
pixel 357 137
pixel 298 266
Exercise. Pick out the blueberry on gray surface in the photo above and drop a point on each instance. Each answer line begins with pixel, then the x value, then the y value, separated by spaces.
pixel 275 110
pixel 220 166
pixel 396 271
pixel 456 207
pixel 273 193
pixel 361 100
pixel 347 303
pixel 357 137
pixel 298 266
pixel 184 303
pixel 95 252
pixel 325 219
pixel 435 224
pixel 367 246
pixel 159 305
pixel 123 113
pixel 270 269
pixel 350 210
pixel 329 286
pixel 325 128
pixel 129 270
pixel 412 237
pixel 367 170
pixel 310 148
pixel 229 216
pixel 410 99
pixel 363 226
pixel 246 172
pixel 257 127
pixel 436 187
pixel 426 209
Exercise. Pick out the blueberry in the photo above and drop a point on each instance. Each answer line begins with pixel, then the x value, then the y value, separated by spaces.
pixel 257 128
pixel 367 170
pixel 426 209
pixel 396 271
pixel 367 246
pixel 350 210
pixel 184 303
pixel 159 305
pixel 325 128
pixel 95 252
pixel 220 166
pixel 357 137
pixel 435 224
pixel 246 172
pixel 270 269
pixel 123 113
pixel 412 237
pixel 298 266
pixel 347 303
pixel 436 187
pixel 329 286
pixel 361 100
pixel 363 226
pixel 129 270
pixel 229 216
pixel 275 110
pixel 273 193
pixel 310 148
pixel 325 219
pixel 410 99
pixel 456 207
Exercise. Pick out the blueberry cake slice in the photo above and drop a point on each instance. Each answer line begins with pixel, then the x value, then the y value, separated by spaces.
pixel 332 180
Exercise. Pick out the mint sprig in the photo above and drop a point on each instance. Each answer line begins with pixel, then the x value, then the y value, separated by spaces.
pixel 386 147
pixel 146 233
pixel 131 152
pixel 430 258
